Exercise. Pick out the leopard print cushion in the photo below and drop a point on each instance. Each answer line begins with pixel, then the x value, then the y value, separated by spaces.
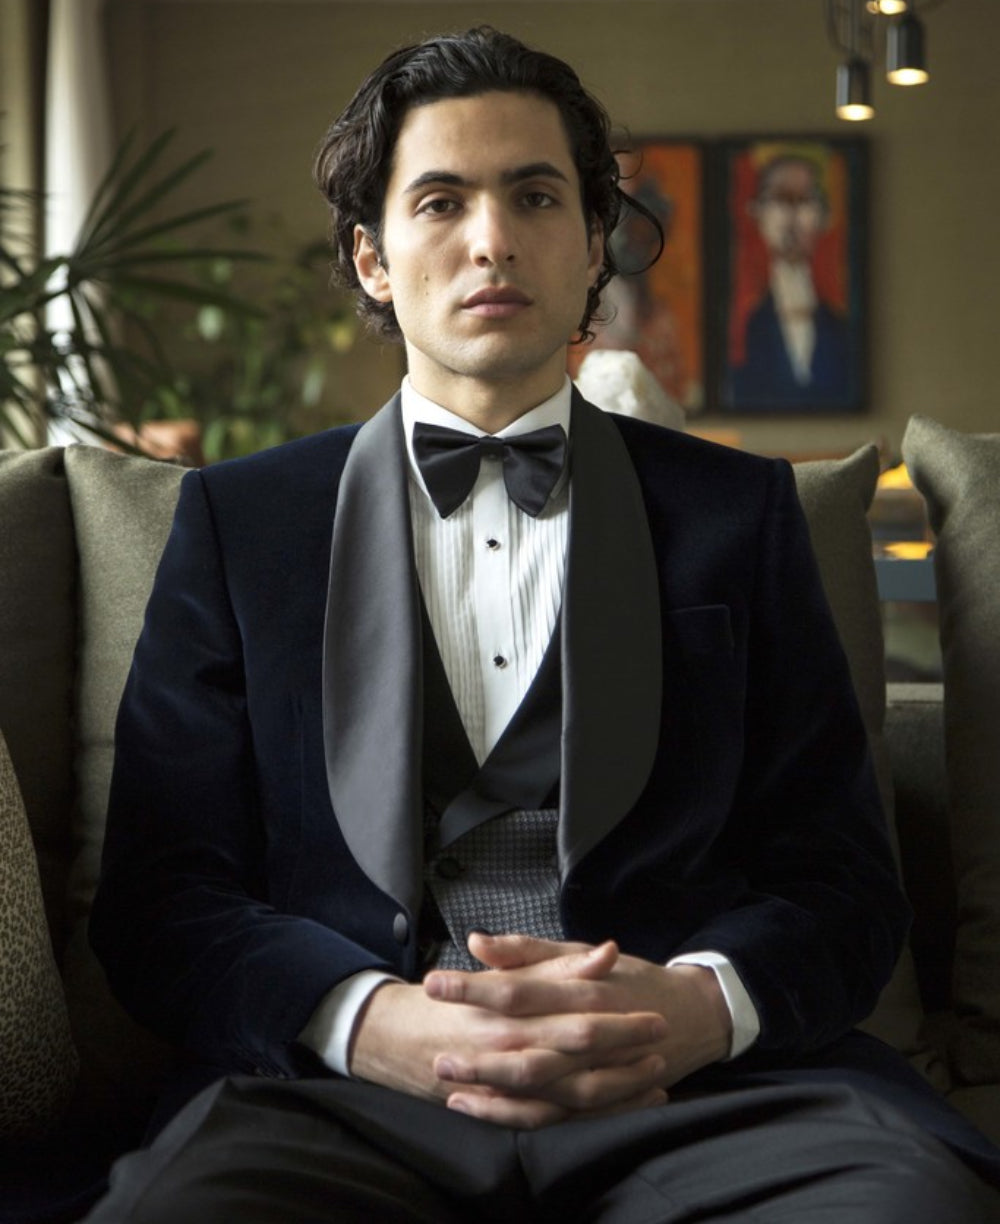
pixel 38 1063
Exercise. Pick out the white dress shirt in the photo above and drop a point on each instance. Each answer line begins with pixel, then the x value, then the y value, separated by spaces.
pixel 491 577
pixel 795 302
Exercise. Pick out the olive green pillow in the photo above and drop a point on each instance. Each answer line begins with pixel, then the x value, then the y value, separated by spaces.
pixel 38 1062
pixel 836 495
pixel 959 477
pixel 122 507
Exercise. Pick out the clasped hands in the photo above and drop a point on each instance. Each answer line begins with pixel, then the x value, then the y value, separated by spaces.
pixel 548 1032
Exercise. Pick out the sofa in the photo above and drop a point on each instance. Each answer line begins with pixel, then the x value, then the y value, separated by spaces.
pixel 81 530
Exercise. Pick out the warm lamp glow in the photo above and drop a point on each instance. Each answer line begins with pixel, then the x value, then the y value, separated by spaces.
pixel 909 550
pixel 854 91
pixel 856 112
pixel 905 62
pixel 908 76
pixel 855 28
pixel 895 478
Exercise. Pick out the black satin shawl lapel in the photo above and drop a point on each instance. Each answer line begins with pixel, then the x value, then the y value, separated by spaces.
pixel 612 644
pixel 372 663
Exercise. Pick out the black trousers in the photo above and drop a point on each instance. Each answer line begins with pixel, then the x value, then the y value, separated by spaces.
pixel 257 1151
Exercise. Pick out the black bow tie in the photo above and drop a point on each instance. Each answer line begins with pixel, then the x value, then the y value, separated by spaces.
pixel 449 463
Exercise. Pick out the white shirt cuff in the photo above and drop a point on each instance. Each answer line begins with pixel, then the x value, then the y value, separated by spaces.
pixel 331 1026
pixel 746 1022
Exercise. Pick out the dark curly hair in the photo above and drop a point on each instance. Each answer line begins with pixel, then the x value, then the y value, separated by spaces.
pixel 355 157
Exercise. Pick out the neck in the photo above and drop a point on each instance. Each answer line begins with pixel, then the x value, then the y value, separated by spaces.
pixel 489 405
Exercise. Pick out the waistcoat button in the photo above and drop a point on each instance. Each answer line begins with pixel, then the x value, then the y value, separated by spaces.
pixel 448 868
pixel 401 928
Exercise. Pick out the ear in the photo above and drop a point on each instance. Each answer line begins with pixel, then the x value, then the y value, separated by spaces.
pixel 368 264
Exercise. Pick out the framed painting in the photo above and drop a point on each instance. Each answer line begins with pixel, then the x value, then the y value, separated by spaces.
pixel 659 311
pixel 788 319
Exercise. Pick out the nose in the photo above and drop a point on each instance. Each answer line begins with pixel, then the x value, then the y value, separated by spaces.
pixel 492 240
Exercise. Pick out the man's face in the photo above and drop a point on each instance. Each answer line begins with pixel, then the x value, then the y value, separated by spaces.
pixel 486 256
pixel 790 211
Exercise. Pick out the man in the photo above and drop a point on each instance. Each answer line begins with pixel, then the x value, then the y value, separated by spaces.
pixel 596 736
pixel 796 347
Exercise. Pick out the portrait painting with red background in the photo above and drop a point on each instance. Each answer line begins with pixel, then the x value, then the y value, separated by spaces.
pixel 789 297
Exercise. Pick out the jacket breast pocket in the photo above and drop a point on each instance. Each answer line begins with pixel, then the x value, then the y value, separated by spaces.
pixel 702 631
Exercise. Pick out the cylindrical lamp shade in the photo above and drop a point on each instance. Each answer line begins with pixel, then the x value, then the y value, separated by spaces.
pixel 905 61
pixel 854 95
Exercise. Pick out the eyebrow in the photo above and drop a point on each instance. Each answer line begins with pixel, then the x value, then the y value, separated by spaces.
pixel 447 178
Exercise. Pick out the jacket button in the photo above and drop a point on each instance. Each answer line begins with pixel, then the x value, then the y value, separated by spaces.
pixel 401 928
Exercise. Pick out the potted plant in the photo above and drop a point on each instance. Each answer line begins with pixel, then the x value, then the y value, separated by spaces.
pixel 102 370
pixel 252 380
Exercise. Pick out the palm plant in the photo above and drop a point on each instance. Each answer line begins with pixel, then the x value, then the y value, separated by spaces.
pixel 254 380
pixel 84 372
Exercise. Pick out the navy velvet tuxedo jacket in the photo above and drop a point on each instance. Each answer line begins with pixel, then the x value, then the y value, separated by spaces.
pixel 263 839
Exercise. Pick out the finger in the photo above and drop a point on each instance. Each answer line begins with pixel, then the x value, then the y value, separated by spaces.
pixel 532 1114
pixel 516 951
pixel 533 1052
pixel 597 1034
pixel 515 1112
pixel 511 990
pixel 596 1089
pixel 573 983
pixel 544 957
pixel 519 1071
pixel 561 1079
pixel 529 1071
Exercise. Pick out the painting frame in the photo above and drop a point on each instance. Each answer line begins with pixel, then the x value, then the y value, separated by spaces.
pixel 788 318
pixel 660 311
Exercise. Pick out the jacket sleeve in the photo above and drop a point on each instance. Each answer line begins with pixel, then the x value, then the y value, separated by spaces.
pixel 817 923
pixel 182 920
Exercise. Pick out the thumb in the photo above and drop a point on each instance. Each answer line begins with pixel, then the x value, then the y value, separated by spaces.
pixel 563 959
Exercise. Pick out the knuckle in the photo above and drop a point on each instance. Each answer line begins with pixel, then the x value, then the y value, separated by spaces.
pixel 592 997
pixel 582 1031
pixel 523 1071
pixel 501 1035
pixel 509 996
pixel 587 1092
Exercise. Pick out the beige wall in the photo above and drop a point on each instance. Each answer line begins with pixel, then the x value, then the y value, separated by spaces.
pixel 258 80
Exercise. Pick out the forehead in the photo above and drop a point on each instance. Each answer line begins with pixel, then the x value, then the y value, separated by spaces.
pixel 479 136
pixel 790 178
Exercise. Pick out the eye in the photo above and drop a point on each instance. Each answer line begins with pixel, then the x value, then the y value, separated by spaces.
pixel 438 206
pixel 539 199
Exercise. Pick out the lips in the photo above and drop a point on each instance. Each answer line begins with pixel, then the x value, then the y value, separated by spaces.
pixel 496 301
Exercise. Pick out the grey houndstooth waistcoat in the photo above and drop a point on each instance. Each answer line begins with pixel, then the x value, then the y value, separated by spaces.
pixel 490 860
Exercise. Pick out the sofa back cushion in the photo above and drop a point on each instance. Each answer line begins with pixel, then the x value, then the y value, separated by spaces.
pixel 836 495
pixel 122 510
pixel 959 476
pixel 37 655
